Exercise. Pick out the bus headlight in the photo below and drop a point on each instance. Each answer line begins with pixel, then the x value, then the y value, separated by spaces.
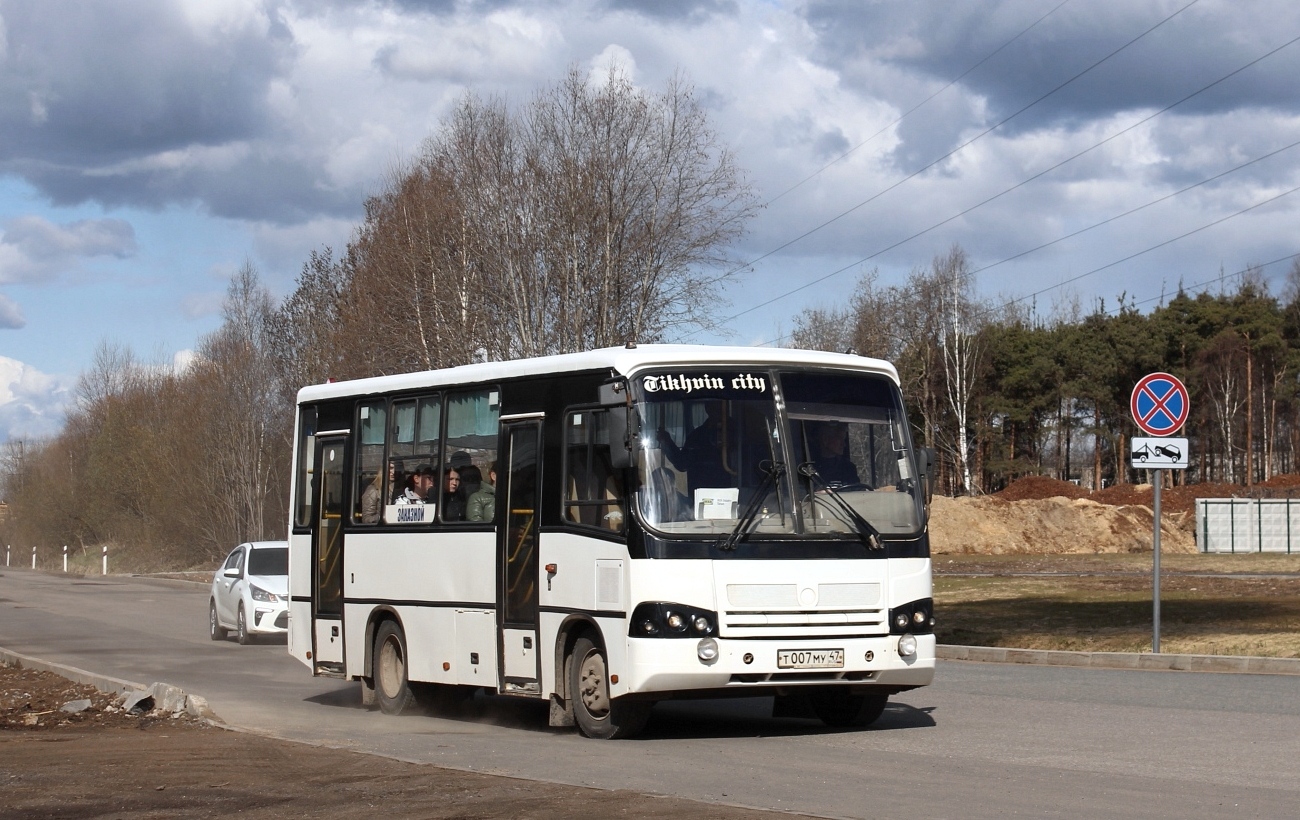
pixel 656 619
pixel 707 650
pixel 907 646
pixel 916 617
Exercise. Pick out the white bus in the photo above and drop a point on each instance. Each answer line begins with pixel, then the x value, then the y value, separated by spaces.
pixel 642 523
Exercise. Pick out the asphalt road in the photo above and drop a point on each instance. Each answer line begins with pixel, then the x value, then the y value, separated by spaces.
pixel 985 740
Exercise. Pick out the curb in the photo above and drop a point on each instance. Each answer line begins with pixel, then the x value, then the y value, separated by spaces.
pixel 1244 664
pixel 170 697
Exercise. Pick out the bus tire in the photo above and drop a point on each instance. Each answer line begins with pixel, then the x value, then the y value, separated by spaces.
pixel 392 688
pixel 597 714
pixel 215 630
pixel 840 708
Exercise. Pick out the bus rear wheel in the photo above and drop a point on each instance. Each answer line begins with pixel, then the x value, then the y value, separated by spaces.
pixel 840 708
pixel 392 688
pixel 597 714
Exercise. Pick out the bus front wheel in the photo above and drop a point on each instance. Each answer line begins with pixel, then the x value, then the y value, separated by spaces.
pixel 392 688
pixel 597 714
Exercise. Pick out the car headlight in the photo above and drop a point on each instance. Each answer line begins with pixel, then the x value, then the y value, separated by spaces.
pixel 260 594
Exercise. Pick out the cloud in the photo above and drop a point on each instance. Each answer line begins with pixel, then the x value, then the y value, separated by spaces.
pixel 933 44
pixel 33 248
pixel 32 404
pixel 694 12
pixel 11 317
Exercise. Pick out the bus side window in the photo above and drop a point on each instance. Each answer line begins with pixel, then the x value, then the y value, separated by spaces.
pixel 413 447
pixel 302 492
pixel 594 492
pixel 473 424
pixel 368 487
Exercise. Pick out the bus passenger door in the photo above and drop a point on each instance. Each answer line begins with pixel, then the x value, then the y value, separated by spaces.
pixel 517 556
pixel 327 557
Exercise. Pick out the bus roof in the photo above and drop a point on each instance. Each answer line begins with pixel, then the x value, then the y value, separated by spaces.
pixel 621 360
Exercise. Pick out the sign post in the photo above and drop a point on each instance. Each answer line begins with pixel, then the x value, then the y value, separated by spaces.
pixel 1160 406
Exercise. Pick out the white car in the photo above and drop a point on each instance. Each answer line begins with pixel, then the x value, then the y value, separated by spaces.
pixel 250 592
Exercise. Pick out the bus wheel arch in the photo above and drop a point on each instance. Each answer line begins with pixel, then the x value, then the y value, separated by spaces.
pixel 574 627
pixel 596 714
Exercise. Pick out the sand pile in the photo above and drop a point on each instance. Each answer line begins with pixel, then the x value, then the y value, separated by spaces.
pixel 1042 515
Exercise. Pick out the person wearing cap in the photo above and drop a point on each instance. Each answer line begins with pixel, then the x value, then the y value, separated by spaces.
pixel 418 485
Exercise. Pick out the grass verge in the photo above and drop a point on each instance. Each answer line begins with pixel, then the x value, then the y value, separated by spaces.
pixel 1210 605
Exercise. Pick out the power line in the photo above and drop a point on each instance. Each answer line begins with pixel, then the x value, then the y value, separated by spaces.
pixel 951 153
pixel 1045 171
pixel 1132 211
pixel 1112 264
pixel 1223 277
pixel 1132 256
pixel 906 113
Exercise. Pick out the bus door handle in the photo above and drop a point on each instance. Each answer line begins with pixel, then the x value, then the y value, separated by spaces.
pixel 551 569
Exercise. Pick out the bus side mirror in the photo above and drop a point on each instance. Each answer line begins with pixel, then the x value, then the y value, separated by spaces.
pixel 925 459
pixel 620 449
pixel 619 420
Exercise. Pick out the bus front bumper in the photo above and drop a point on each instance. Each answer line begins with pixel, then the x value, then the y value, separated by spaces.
pixel 668 665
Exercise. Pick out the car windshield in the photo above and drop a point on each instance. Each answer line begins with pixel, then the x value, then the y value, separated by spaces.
pixel 268 561
pixel 717 458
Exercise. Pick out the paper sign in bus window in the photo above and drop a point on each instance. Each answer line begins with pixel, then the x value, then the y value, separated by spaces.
pixel 716 502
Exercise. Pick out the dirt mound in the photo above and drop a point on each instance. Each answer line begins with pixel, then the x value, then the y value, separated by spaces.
pixel 1285 481
pixel 1040 486
pixel 1051 526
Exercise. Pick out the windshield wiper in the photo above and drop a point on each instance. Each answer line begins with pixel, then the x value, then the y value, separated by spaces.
pixel 773 470
pixel 870 535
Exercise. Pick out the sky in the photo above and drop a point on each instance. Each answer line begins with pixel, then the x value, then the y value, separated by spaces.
pixel 1076 150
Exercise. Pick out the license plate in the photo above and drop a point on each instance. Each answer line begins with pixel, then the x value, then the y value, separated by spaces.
pixel 809 658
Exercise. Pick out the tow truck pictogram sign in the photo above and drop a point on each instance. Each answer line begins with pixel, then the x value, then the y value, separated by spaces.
pixel 1159 404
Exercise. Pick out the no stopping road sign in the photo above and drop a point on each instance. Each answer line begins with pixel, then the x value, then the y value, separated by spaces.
pixel 1159 404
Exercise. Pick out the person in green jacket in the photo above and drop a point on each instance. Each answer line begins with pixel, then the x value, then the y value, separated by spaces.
pixel 483 503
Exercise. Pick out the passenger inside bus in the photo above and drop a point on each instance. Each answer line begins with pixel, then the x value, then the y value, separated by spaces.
pixel 453 502
pixel 701 454
pixel 482 504
pixel 372 499
pixel 417 487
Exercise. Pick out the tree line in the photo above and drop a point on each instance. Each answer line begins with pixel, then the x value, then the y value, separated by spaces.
pixel 591 215
pixel 1000 392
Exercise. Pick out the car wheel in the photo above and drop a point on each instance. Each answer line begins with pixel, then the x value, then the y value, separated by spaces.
pixel 392 687
pixel 597 714
pixel 241 628
pixel 215 630
pixel 838 708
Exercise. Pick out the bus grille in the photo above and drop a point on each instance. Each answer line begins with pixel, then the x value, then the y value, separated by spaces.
pixel 789 611
pixel 803 623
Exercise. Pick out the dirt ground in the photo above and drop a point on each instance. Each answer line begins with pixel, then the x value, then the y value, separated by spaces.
pixel 104 763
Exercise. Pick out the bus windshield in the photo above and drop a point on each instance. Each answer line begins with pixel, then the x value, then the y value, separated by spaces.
pixel 775 454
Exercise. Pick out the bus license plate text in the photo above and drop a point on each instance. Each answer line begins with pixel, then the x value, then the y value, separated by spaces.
pixel 809 658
